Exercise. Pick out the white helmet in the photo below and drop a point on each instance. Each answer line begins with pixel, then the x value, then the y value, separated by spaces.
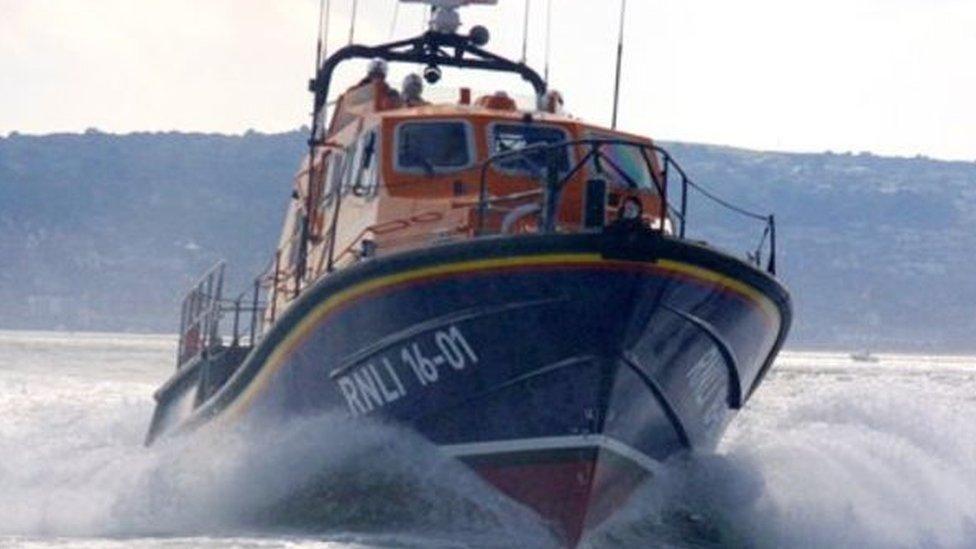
pixel 377 67
pixel 413 86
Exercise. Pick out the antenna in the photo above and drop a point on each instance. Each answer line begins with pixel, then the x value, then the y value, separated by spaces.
pixel 525 32
pixel 325 8
pixel 318 43
pixel 396 16
pixel 352 21
pixel 548 37
pixel 620 56
pixel 322 44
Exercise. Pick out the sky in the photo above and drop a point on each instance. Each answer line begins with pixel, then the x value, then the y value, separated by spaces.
pixel 892 77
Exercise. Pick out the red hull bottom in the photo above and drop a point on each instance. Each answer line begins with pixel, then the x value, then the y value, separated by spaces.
pixel 575 490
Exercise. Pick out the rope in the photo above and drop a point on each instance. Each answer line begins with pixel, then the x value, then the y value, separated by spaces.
pixel 525 32
pixel 726 203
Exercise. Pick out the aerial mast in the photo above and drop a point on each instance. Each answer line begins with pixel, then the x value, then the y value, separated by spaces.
pixel 352 21
pixel 323 24
pixel 620 57
pixel 548 36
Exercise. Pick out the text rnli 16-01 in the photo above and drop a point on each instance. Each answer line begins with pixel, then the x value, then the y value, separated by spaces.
pixel 420 362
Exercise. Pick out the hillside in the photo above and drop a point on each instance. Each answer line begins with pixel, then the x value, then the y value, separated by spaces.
pixel 103 232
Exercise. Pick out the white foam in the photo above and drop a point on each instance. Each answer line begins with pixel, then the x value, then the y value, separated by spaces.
pixel 827 456
pixel 828 453
pixel 74 466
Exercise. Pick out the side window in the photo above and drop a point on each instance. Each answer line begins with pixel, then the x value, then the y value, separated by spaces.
pixel 364 183
pixel 294 242
pixel 353 165
pixel 333 176
pixel 372 164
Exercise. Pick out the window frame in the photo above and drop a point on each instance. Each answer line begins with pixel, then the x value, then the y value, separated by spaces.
pixel 354 153
pixel 367 178
pixel 333 180
pixel 592 134
pixel 438 170
pixel 515 172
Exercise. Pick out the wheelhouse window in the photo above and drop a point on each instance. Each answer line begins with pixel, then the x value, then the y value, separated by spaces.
pixel 353 168
pixel 369 178
pixel 431 147
pixel 361 173
pixel 623 165
pixel 514 137
pixel 334 173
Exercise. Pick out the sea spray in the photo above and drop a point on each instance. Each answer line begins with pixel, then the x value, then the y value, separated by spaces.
pixel 74 464
pixel 827 455
pixel 324 474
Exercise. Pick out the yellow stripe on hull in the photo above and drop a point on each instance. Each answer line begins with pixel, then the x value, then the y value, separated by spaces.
pixel 278 357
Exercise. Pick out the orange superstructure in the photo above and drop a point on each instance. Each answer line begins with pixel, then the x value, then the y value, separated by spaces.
pixel 372 191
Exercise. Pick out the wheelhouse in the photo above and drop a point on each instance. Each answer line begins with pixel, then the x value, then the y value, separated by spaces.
pixel 391 177
pixel 392 171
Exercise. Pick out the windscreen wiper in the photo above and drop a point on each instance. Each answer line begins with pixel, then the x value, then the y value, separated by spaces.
pixel 414 154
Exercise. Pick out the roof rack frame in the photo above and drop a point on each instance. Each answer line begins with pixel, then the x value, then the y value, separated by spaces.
pixel 432 49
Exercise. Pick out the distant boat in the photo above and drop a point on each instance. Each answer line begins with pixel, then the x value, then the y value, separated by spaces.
pixel 864 356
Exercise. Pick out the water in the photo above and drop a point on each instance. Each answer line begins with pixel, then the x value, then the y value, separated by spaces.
pixel 829 453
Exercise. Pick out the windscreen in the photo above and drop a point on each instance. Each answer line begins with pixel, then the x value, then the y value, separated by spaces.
pixel 433 146
pixel 514 137
pixel 623 165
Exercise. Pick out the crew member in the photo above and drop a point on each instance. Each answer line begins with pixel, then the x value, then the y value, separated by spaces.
pixel 376 76
pixel 413 90
pixel 375 73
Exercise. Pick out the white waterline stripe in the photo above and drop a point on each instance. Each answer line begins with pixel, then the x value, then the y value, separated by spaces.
pixel 570 442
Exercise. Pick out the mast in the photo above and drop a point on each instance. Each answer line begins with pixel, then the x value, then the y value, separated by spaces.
pixel 352 21
pixel 321 44
pixel 620 57
pixel 548 38
pixel 396 17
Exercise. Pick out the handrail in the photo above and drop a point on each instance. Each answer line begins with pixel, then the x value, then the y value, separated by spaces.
pixel 203 309
pixel 430 49
pixel 199 313
pixel 659 176
pixel 658 162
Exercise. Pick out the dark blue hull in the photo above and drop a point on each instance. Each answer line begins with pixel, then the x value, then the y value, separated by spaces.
pixel 559 367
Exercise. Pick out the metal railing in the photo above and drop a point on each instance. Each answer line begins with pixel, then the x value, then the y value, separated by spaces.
pixel 203 310
pixel 286 279
pixel 660 166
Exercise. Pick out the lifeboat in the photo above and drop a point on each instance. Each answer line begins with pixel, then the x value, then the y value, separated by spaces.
pixel 513 284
